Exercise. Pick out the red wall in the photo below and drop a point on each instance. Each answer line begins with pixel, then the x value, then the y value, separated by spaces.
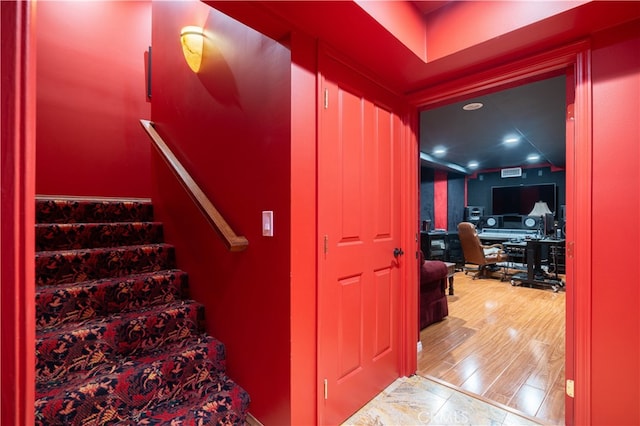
pixel 615 371
pixel 440 197
pixel 230 125
pixel 90 95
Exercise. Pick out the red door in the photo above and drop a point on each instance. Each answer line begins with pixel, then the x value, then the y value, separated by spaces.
pixel 359 224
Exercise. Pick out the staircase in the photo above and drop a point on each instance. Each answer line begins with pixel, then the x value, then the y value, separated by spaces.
pixel 118 341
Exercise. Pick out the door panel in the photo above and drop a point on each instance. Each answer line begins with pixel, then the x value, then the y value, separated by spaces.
pixel 359 223
pixel 350 325
pixel 384 294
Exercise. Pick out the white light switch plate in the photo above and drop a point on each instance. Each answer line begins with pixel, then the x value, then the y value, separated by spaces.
pixel 267 223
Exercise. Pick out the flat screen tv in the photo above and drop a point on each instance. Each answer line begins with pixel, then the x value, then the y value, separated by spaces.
pixel 519 200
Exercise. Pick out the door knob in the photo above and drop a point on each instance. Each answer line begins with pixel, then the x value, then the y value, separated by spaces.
pixel 397 252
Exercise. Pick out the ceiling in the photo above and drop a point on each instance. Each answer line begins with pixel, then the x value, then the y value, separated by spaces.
pixel 534 113
pixel 426 7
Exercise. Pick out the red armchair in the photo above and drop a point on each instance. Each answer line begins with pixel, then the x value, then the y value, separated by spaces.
pixel 433 297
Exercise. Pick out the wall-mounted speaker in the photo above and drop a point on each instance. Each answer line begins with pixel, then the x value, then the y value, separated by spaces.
pixel 531 222
pixel 491 222
pixel 473 213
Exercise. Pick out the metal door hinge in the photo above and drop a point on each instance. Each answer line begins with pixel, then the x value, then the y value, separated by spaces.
pixel 326 244
pixel 570 249
pixel 326 389
pixel 570 388
pixel 326 98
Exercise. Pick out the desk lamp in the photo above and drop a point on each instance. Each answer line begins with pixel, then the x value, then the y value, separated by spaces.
pixel 541 209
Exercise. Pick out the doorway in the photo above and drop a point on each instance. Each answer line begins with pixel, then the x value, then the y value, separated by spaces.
pixel 471 91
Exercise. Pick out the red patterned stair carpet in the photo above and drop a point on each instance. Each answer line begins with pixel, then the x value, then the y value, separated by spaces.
pixel 118 341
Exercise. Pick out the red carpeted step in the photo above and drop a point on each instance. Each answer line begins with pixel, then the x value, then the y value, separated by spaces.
pixel 69 266
pixel 224 403
pixel 73 210
pixel 82 347
pixel 75 302
pixel 117 340
pixel 66 236
pixel 180 372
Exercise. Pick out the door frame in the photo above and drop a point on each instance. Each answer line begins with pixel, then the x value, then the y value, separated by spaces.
pixel 575 60
pixel 17 210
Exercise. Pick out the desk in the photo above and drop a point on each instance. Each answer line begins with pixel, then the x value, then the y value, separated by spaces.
pixel 451 269
pixel 535 276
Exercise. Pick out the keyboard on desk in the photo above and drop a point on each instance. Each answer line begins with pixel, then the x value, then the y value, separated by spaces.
pixel 506 234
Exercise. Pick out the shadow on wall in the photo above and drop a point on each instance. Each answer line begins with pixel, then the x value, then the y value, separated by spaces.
pixel 215 73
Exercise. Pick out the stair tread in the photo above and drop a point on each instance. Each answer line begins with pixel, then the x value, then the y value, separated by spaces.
pixel 76 265
pixel 73 302
pixel 77 224
pixel 61 236
pixel 74 209
pixel 141 275
pixel 62 252
pixel 97 322
pixel 198 347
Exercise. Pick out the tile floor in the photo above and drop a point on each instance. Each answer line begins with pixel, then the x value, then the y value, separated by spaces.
pixel 416 400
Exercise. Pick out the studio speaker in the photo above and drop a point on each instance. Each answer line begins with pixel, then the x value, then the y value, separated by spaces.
pixel 531 222
pixel 473 213
pixel 563 212
pixel 491 222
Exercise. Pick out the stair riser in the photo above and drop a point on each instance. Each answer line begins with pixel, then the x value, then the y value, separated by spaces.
pixel 70 350
pixel 78 211
pixel 93 235
pixel 57 305
pixel 63 267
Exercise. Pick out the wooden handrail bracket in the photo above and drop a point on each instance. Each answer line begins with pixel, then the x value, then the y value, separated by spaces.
pixel 232 241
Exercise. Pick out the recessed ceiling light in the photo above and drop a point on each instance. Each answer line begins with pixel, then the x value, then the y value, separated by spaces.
pixel 511 140
pixel 533 157
pixel 439 151
pixel 473 164
pixel 472 106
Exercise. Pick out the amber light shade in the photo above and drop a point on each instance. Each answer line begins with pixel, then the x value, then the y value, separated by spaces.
pixel 192 40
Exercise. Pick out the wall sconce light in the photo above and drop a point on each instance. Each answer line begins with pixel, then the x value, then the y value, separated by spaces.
pixel 192 39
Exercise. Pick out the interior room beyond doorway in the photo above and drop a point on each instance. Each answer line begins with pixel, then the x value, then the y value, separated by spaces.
pixel 465 146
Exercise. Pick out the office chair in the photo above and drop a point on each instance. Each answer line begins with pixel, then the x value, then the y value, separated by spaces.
pixel 484 257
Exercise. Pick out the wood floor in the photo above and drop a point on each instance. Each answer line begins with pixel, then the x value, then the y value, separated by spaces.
pixel 503 343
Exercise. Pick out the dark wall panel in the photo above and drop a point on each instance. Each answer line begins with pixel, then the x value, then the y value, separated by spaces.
pixel 426 194
pixel 455 201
